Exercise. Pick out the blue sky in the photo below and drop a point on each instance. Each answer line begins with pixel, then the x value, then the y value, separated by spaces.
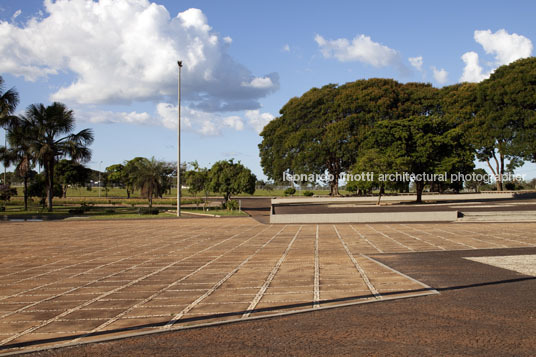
pixel 113 62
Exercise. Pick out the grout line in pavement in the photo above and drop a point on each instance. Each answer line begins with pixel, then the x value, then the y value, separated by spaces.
pixel 316 291
pixel 219 283
pixel 270 277
pixel 358 267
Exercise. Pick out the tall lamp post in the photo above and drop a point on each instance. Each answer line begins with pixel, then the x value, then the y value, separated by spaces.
pixel 179 146
pixel 100 164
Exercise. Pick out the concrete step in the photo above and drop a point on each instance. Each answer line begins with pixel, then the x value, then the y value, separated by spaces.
pixel 498 216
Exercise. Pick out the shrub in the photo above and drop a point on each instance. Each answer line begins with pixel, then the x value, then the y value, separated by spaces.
pixel 7 192
pixel 308 193
pixel 85 207
pixel 510 186
pixel 76 211
pixel 148 210
pixel 232 205
pixel 290 191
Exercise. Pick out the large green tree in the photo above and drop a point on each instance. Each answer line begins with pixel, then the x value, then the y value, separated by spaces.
pixel 54 139
pixel 130 174
pixel 116 175
pixel 71 173
pixel 421 140
pixel 421 146
pixel 503 129
pixel 231 178
pixel 197 180
pixel 321 131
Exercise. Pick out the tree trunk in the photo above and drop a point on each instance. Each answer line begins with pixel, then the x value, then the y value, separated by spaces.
pixel 49 169
pixel 334 188
pixel 128 193
pixel 334 185
pixel 419 186
pixel 498 181
pixel 382 191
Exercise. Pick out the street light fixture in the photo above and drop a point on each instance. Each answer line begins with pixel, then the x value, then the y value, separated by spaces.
pixel 179 63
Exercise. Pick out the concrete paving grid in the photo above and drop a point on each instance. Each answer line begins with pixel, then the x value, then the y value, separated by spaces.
pixel 65 282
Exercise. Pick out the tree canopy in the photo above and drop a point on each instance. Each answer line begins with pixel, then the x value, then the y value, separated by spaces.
pixel 231 178
pixel 503 126
pixel 328 129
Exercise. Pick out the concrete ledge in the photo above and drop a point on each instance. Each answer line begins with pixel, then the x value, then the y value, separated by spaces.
pixel 499 216
pixel 404 198
pixel 384 217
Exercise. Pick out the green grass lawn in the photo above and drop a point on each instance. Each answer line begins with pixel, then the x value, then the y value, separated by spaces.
pixel 118 193
pixel 215 211
pixel 105 212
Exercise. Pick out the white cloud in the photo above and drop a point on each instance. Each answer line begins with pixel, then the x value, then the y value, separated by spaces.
pixel 192 120
pixel 258 120
pixel 361 49
pixel 505 47
pixel 110 117
pixel 472 71
pixel 234 122
pixel 126 51
pixel 286 48
pixel 259 82
pixel 440 75
pixel 168 116
pixel 416 62
pixel 208 128
pixel 16 14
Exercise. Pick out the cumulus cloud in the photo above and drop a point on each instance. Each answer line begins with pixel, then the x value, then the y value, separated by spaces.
pixel 259 82
pixel 109 117
pixel 360 49
pixel 258 120
pixel 202 123
pixel 234 122
pixel 416 62
pixel 505 47
pixel 126 51
pixel 472 72
pixel 440 75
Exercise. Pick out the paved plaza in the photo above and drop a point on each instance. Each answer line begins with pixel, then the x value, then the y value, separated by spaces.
pixel 66 282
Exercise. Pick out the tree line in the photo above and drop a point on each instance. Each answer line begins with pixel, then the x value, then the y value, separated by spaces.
pixel 383 126
pixel 44 136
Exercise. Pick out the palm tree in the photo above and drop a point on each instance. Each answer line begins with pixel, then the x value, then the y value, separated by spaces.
pixel 53 139
pixel 8 101
pixel 8 104
pixel 19 136
pixel 149 174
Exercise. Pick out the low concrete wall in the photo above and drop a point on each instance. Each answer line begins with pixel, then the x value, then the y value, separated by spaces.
pixel 434 216
pixel 404 198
